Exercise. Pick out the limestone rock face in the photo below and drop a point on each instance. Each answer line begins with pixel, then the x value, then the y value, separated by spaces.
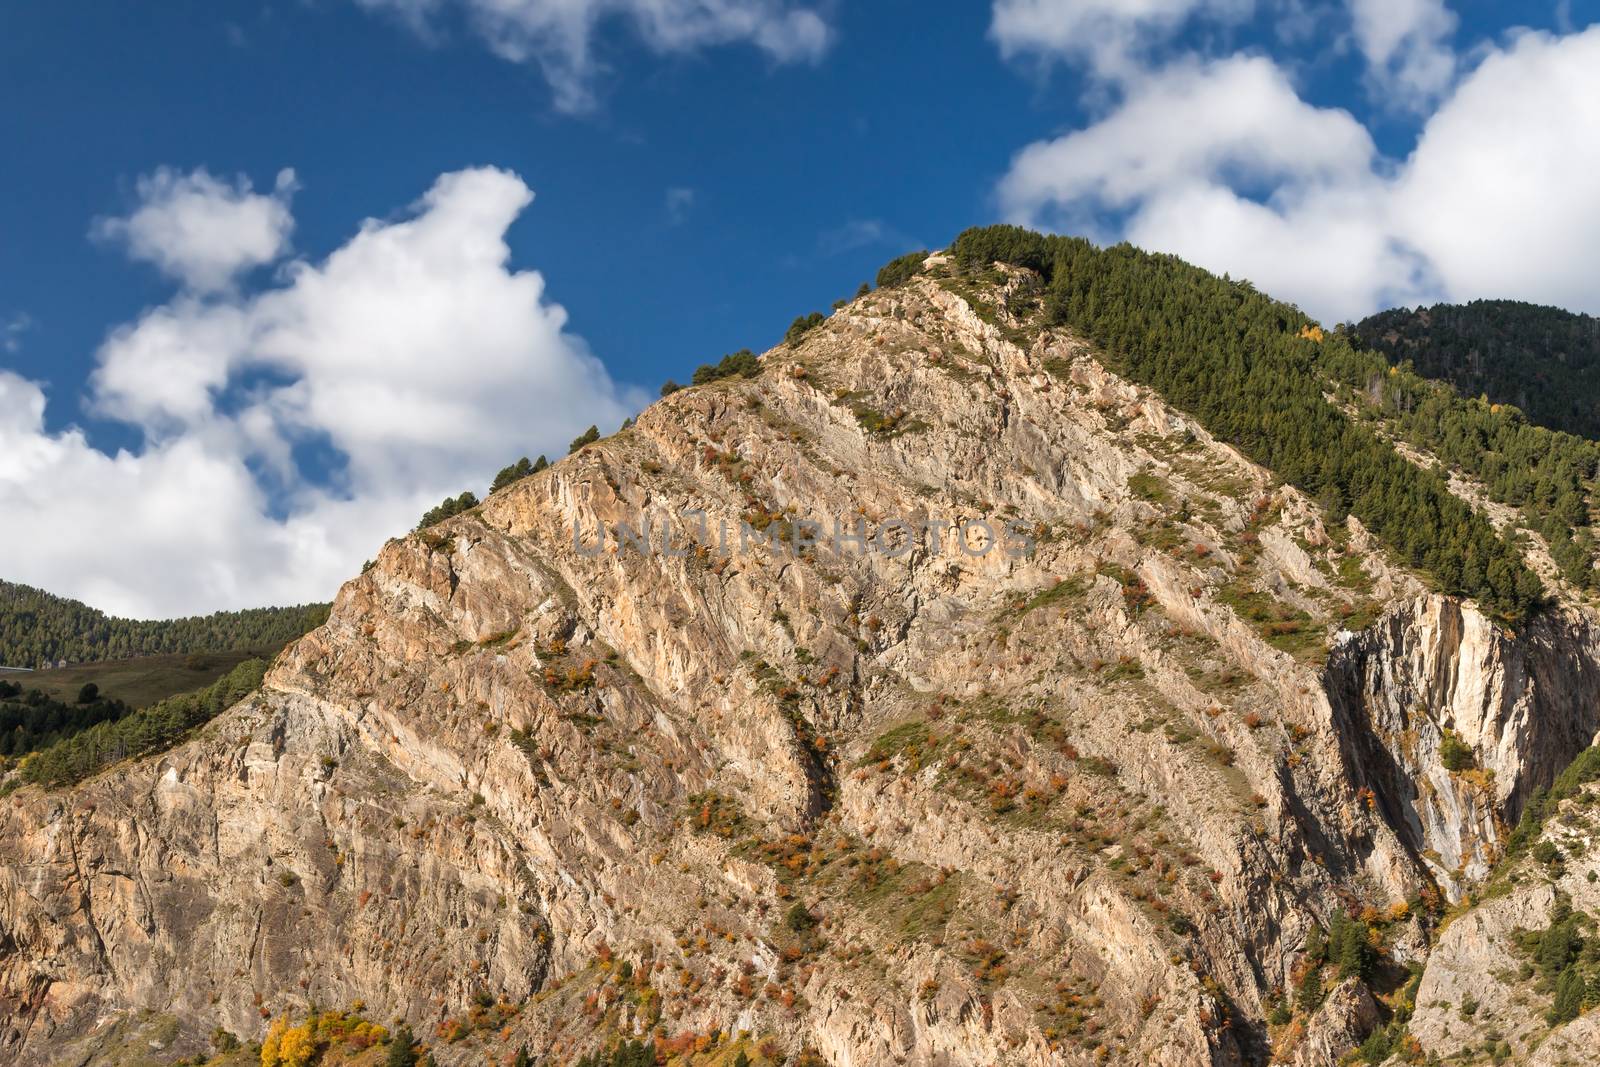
pixel 1338 1026
pixel 1523 705
pixel 1482 984
pixel 1069 786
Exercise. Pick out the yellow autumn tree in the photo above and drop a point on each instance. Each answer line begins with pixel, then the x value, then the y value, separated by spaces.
pixel 297 1048
pixel 288 1046
pixel 273 1041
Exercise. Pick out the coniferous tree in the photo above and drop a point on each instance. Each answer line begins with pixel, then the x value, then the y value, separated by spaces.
pixel 402 1049
pixel 514 473
pixel 1569 997
pixel 803 325
pixel 587 437
pixel 901 269
pixel 1348 947
pixel 741 364
pixel 451 507
pixel 1308 998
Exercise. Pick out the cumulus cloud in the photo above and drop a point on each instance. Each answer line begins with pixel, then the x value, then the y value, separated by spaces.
pixel 1110 36
pixel 1500 192
pixel 202 231
pixel 1225 164
pixel 558 35
pixel 412 362
pixel 1195 123
pixel 1406 44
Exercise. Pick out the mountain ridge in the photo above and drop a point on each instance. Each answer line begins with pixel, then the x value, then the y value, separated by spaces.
pixel 1097 802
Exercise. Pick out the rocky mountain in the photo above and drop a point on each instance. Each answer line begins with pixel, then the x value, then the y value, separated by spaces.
pixel 1094 741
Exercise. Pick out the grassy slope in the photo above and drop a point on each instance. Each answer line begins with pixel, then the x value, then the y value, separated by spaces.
pixel 143 680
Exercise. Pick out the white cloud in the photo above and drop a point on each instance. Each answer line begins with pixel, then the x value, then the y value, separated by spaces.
pixel 1404 43
pixel 1500 192
pixel 202 231
pixel 1110 36
pixel 412 355
pixel 1406 46
pixel 1193 123
pixel 558 35
pixel 1225 164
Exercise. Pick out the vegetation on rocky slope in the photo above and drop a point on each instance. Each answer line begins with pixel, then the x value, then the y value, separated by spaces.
pixel 80 754
pixel 1102 804
pixel 1250 368
pixel 1549 476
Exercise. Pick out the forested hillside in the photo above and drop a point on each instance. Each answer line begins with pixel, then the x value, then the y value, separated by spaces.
pixel 31 720
pixel 1544 360
pixel 37 628
pixel 67 744
pixel 1256 372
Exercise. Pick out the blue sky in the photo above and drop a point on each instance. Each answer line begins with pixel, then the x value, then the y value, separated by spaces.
pixel 702 171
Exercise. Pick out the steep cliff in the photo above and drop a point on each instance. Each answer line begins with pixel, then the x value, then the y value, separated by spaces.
pixel 1062 756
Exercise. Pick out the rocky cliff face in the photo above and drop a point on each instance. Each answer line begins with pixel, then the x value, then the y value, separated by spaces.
pixel 1492 982
pixel 1522 706
pixel 1072 785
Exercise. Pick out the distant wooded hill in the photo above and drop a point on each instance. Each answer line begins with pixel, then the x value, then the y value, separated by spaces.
pixel 1543 360
pixel 39 629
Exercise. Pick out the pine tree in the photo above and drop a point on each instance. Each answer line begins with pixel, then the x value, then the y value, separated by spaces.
pixel 514 473
pixel 1348 948
pixel 402 1049
pixel 1560 942
pixel 1569 997
pixel 1308 998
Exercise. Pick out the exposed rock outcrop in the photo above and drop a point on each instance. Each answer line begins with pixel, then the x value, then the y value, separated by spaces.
pixel 912 801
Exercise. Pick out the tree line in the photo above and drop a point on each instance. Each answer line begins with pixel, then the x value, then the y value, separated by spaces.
pixel 1546 474
pixel 39 629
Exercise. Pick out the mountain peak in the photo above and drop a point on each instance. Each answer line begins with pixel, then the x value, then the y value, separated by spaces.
pixel 926 691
